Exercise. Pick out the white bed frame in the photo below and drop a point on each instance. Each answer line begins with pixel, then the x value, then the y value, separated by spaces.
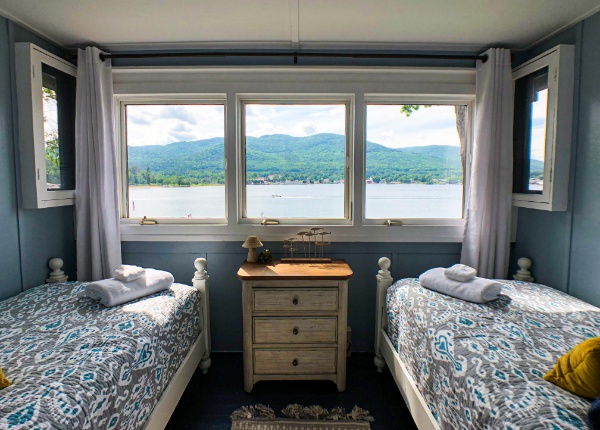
pixel 198 356
pixel 386 354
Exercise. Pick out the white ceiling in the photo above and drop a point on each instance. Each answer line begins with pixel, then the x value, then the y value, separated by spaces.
pixel 400 24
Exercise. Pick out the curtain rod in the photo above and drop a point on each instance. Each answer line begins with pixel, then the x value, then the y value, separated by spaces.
pixel 294 54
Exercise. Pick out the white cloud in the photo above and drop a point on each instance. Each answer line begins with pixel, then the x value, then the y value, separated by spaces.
pixel 435 125
pixel 294 120
pixel 164 124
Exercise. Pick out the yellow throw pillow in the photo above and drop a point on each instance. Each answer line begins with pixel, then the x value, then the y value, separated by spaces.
pixel 4 382
pixel 577 371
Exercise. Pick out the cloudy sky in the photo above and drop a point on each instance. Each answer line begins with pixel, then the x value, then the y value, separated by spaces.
pixel 435 125
pixel 538 126
pixel 294 120
pixel 163 124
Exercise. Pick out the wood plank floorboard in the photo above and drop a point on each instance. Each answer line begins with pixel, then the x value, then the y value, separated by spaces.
pixel 210 399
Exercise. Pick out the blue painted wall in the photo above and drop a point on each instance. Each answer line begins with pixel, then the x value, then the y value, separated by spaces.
pixel 565 246
pixel 225 258
pixel 10 264
pixel 45 233
pixel 28 237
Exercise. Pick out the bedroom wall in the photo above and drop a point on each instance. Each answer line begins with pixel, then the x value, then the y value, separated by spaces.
pixel 28 237
pixel 565 246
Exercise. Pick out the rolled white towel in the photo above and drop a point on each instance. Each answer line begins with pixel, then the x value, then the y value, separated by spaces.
pixel 128 273
pixel 112 292
pixel 460 272
pixel 478 290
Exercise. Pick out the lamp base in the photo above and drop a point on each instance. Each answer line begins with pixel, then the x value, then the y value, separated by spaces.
pixel 252 255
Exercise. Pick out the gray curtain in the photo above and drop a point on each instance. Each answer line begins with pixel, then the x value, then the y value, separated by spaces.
pixel 487 231
pixel 461 127
pixel 96 195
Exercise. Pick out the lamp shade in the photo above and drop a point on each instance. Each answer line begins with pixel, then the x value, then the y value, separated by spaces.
pixel 252 242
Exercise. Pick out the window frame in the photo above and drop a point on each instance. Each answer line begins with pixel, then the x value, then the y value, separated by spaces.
pixel 387 99
pixel 422 83
pixel 522 146
pixel 561 76
pixel 297 99
pixel 121 126
pixel 28 64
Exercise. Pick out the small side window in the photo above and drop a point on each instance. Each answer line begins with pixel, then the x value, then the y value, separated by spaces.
pixel 46 90
pixel 543 97
pixel 531 117
pixel 58 108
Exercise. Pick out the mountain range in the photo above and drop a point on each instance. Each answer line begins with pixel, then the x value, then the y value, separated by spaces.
pixel 315 158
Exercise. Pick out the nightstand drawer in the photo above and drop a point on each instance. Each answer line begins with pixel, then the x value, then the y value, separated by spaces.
pixel 295 330
pixel 295 362
pixel 296 299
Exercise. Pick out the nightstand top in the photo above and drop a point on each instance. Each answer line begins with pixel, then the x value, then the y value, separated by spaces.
pixel 337 269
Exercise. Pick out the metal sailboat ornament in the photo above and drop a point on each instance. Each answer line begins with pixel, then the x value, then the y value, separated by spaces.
pixel 309 243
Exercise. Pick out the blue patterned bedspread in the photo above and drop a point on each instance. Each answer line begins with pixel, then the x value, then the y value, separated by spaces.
pixel 78 365
pixel 482 366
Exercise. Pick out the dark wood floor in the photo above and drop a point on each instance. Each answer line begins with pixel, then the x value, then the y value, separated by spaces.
pixel 210 399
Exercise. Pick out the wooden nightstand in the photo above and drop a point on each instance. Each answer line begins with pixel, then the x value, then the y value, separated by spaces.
pixel 295 318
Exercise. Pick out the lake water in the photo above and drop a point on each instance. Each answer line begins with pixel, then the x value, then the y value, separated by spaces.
pixel 298 201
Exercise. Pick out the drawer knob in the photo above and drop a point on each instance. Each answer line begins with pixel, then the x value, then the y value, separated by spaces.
pixel 295 331
pixel 295 362
pixel 295 301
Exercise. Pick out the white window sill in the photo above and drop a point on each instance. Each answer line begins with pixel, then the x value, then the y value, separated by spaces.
pixel 451 231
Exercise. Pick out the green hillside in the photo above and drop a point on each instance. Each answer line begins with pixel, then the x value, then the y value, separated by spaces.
pixel 313 158
pixel 536 169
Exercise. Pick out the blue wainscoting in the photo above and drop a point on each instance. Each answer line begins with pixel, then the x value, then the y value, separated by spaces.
pixel 225 258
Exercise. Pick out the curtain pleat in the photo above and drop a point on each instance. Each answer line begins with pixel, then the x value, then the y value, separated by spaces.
pixel 96 196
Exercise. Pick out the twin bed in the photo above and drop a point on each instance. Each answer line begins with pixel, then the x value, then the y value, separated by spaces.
pixel 77 364
pixel 461 365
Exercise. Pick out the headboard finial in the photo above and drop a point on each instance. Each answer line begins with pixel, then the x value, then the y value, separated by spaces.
pixel 56 275
pixel 200 264
pixel 523 274
pixel 385 264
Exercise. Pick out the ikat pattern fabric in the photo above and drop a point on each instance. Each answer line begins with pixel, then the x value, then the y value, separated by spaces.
pixel 76 364
pixel 481 366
